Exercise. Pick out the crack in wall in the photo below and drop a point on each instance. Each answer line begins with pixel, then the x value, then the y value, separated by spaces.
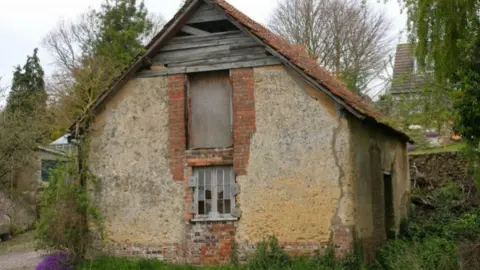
pixel 336 220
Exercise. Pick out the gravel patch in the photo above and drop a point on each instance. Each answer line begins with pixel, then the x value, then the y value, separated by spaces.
pixel 20 260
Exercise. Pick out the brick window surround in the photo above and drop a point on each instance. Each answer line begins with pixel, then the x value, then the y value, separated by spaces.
pixel 243 100
pixel 243 85
pixel 176 125
pixel 182 160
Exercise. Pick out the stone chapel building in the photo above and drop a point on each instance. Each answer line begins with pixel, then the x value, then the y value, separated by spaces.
pixel 221 134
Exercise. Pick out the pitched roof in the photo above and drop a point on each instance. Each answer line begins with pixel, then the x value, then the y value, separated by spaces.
pixel 405 79
pixel 295 54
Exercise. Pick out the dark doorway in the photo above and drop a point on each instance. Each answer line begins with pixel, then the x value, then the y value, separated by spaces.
pixel 388 197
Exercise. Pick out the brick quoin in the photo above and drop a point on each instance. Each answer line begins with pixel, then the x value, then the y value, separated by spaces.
pixel 243 85
pixel 176 125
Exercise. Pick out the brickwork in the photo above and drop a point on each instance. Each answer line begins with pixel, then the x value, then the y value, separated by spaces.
pixel 209 157
pixel 169 252
pixel 342 241
pixel 188 197
pixel 176 125
pixel 210 243
pixel 243 85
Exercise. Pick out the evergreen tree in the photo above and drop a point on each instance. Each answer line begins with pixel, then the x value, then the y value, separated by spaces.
pixel 122 25
pixel 27 95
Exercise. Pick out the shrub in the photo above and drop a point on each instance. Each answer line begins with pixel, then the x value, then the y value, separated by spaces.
pixel 432 253
pixel 269 255
pixel 62 225
pixel 58 261
pixel 466 227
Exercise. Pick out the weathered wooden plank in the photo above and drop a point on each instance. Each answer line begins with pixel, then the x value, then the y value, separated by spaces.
pixel 179 70
pixel 186 54
pixel 194 31
pixel 210 53
pixel 210 43
pixel 212 36
pixel 209 18
pixel 222 60
pixel 206 15
pixel 207 12
pixel 252 63
pixel 151 73
pixel 206 6
pixel 196 57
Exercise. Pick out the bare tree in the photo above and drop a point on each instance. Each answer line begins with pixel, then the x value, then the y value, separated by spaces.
pixel 80 73
pixel 347 36
pixel 71 41
pixel 158 23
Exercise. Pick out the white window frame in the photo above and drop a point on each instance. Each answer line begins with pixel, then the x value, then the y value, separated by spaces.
pixel 213 215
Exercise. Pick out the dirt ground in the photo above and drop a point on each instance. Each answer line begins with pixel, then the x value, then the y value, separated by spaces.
pixel 18 253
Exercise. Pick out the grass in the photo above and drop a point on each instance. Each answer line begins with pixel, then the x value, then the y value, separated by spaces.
pixel 106 263
pixel 21 242
pixel 115 263
pixel 269 256
pixel 454 147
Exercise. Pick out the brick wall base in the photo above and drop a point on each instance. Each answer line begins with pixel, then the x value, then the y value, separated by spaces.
pixel 171 253
pixel 343 240
pixel 210 243
pixel 302 249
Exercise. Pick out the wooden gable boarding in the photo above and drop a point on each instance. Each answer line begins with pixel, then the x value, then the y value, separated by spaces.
pixel 208 41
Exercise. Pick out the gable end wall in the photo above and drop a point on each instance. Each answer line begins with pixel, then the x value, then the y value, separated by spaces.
pixel 291 158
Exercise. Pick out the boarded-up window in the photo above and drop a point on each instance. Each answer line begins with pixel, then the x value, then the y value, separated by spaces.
pixel 210 110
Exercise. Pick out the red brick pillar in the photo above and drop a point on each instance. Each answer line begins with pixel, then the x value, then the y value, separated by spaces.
pixel 176 125
pixel 243 84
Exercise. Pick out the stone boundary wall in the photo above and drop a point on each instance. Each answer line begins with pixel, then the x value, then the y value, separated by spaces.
pixel 438 168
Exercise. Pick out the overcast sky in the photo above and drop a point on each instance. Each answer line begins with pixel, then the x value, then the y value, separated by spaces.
pixel 23 23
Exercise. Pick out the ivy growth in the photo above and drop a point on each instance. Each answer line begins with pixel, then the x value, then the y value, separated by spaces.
pixel 66 210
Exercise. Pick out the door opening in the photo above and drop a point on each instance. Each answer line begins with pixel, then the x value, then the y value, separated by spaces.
pixel 389 213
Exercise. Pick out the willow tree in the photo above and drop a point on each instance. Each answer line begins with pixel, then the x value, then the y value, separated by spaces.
pixel 447 36
pixel 443 30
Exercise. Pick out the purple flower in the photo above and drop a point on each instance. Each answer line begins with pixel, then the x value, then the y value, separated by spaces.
pixel 410 147
pixel 431 134
pixel 58 261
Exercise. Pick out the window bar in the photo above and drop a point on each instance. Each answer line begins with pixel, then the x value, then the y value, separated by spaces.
pixel 221 191
pixel 213 175
pixel 232 194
